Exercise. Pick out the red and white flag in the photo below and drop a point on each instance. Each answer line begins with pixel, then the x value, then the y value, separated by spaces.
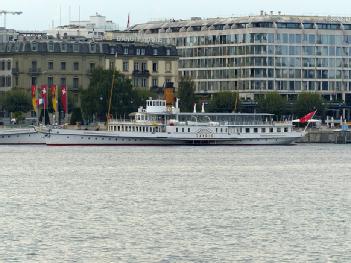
pixel 44 95
pixel 307 117
pixel 64 98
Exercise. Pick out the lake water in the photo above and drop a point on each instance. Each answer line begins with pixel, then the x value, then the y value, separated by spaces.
pixel 175 204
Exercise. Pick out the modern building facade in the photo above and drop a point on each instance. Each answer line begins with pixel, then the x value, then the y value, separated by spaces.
pixel 66 62
pixel 258 54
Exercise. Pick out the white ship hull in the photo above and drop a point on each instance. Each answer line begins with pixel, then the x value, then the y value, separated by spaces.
pixel 20 136
pixel 63 137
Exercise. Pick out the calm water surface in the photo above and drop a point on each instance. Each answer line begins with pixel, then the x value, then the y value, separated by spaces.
pixel 175 204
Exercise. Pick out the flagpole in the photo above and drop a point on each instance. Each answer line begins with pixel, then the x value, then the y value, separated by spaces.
pixel 36 104
pixel 308 122
pixel 113 80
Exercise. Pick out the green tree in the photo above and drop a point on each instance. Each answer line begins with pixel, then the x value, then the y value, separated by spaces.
pixel 225 101
pixel 17 101
pixel 95 99
pixel 186 89
pixel 272 102
pixel 307 102
pixel 76 116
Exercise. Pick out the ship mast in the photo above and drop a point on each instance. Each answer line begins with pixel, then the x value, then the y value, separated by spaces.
pixel 111 90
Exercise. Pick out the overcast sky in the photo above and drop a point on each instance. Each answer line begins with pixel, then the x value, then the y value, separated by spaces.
pixel 40 14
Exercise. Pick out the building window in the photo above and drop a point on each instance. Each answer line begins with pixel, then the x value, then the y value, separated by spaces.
pixel 92 66
pixel 154 67
pixel 9 65
pixel 136 66
pixel 64 47
pixel 142 51
pixel 154 82
pixel 75 83
pixel 34 65
pixel 138 51
pixel 155 52
pixel 50 81
pixel 50 65
pixel 143 66
pixel 112 65
pixel 76 47
pixel 168 67
pixel 63 81
pixel 51 46
pixel 75 66
pixel 63 65
pixel 125 51
pixel 168 52
pixel 143 83
pixel 34 80
pixel 125 66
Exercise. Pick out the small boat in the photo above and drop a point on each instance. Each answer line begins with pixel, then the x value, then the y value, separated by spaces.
pixel 9 136
pixel 162 124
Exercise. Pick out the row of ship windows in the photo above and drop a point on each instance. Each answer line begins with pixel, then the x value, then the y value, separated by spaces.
pixel 241 130
pixel 218 130
pixel 9 136
pixel 135 128
pixel 109 139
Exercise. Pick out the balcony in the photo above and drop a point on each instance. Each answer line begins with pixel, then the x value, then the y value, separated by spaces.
pixel 34 71
pixel 141 73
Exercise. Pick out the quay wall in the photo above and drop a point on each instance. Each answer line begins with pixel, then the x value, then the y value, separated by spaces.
pixel 326 136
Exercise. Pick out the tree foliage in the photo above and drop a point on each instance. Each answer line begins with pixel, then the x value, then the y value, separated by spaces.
pixel 273 103
pixel 95 99
pixel 307 102
pixel 76 116
pixel 186 95
pixel 17 101
pixel 224 102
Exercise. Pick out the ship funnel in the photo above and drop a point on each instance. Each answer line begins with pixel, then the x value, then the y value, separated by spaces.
pixel 168 93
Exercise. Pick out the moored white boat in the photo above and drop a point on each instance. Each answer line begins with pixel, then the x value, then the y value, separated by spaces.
pixel 9 136
pixel 161 124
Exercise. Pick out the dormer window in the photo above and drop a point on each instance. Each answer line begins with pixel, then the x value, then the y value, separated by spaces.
pixel 75 47
pixel 34 46
pixel 64 47
pixel 51 46
pixel 125 51
pixel 92 47
pixel 155 52
pixel 168 52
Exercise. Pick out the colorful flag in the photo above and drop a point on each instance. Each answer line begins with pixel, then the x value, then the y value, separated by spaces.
pixel 54 97
pixel 64 98
pixel 44 95
pixel 34 97
pixel 307 117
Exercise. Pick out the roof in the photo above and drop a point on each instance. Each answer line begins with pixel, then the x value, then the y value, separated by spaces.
pixel 240 20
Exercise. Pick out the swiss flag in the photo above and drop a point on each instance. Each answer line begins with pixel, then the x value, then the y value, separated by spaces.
pixel 44 95
pixel 307 117
pixel 64 98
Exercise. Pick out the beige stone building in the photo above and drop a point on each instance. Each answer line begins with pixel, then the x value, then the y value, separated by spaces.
pixel 66 62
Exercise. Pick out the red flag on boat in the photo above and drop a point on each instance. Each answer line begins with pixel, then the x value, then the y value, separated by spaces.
pixel 64 98
pixel 44 95
pixel 307 117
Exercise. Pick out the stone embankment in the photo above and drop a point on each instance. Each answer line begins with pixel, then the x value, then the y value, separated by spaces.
pixel 326 136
